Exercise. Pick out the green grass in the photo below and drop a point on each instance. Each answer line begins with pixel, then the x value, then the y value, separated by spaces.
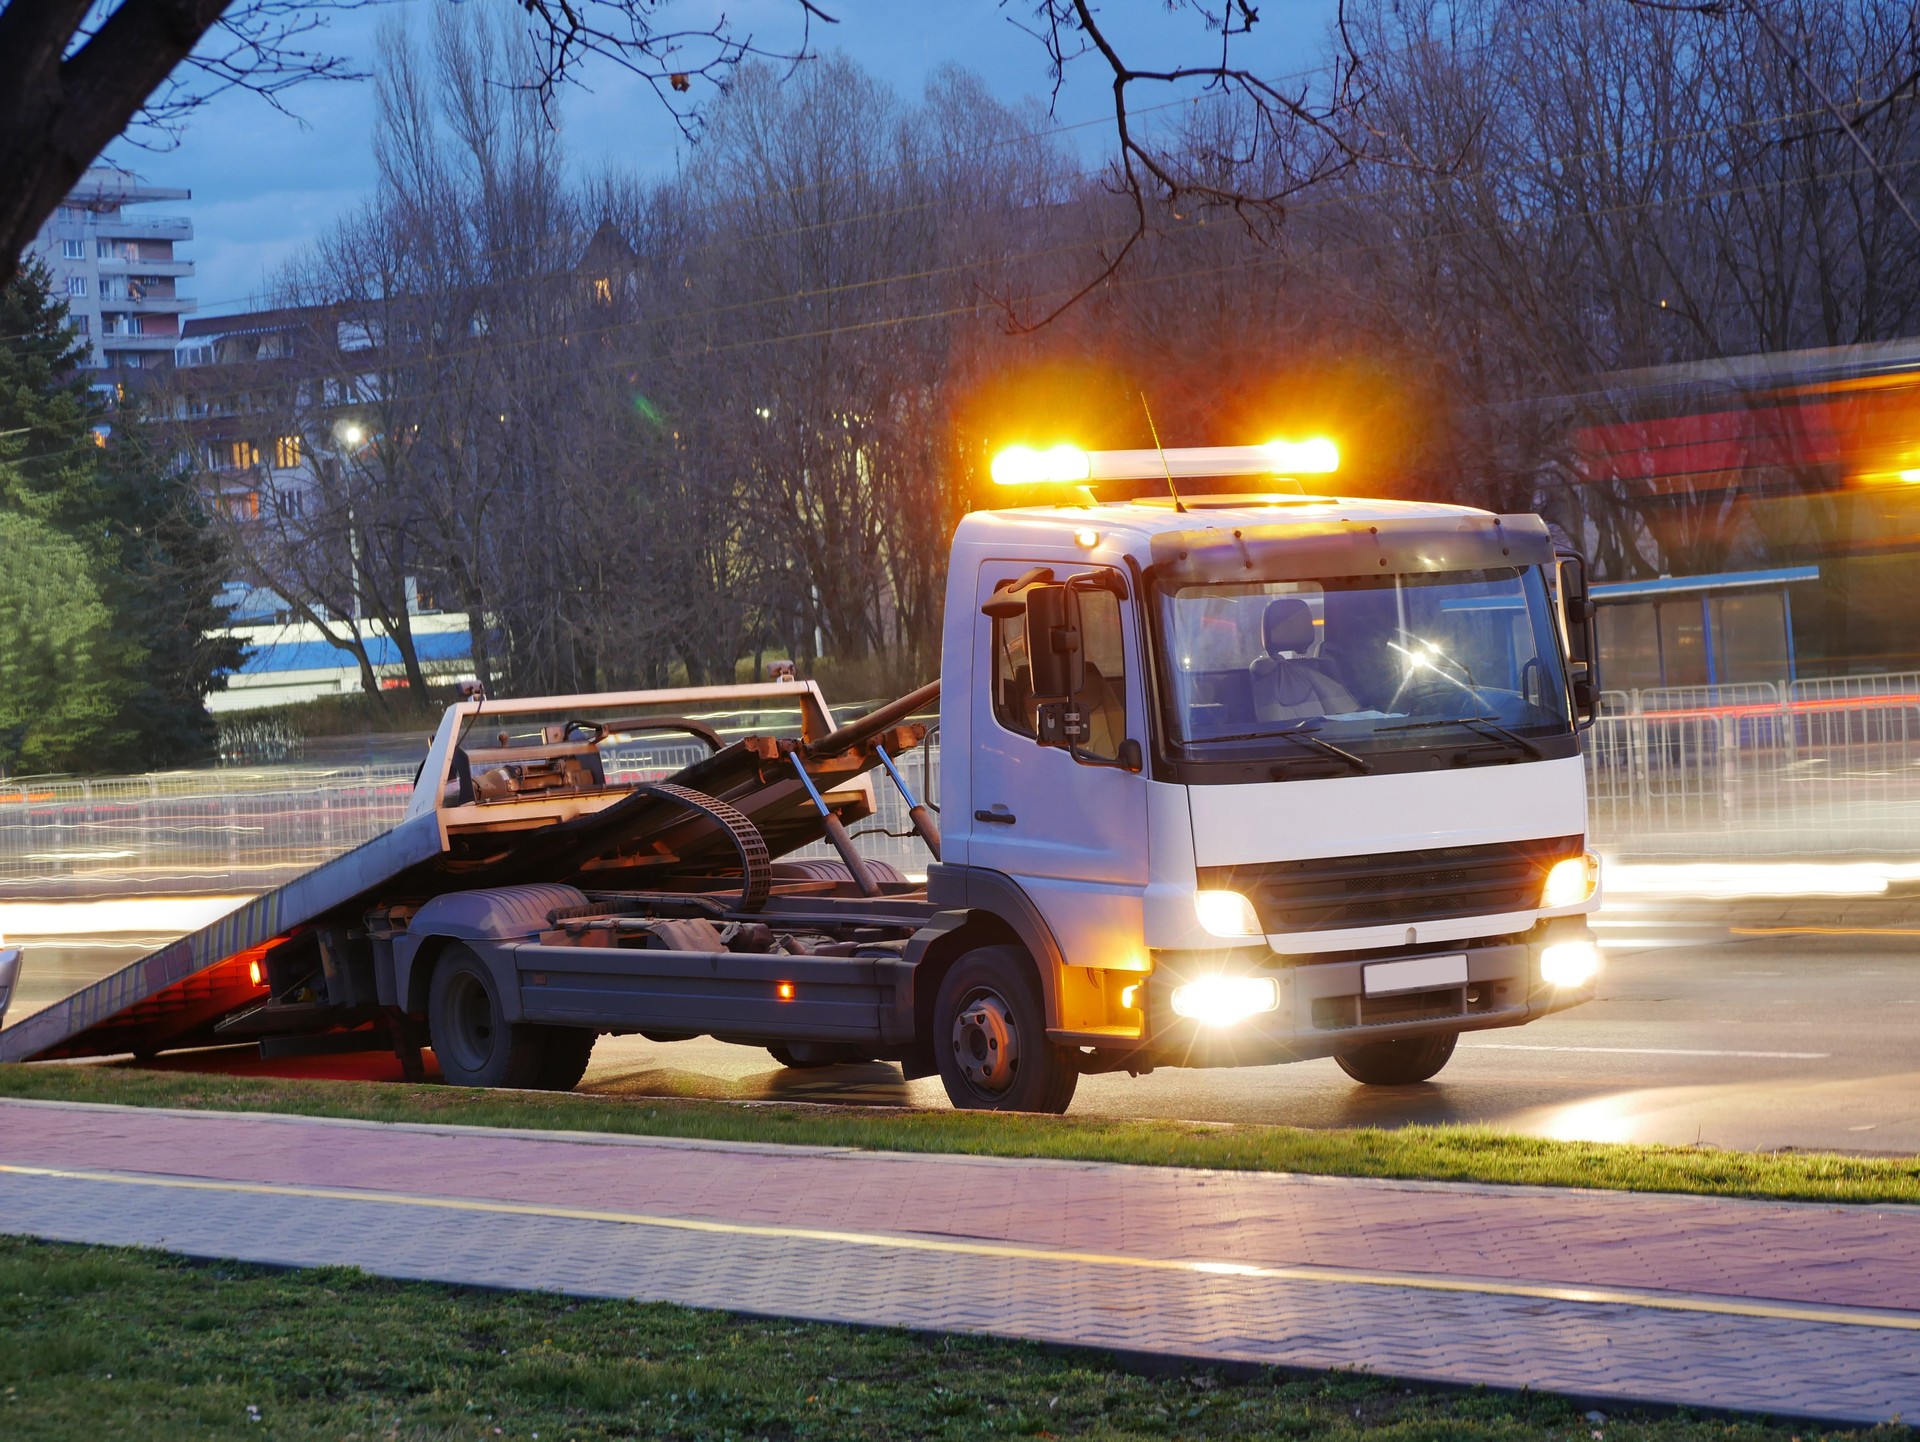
pixel 102 1342
pixel 1444 1153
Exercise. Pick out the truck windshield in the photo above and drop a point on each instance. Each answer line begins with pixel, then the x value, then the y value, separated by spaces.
pixel 1365 664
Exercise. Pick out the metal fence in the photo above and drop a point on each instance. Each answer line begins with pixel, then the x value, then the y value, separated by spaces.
pixel 1815 768
pixel 1826 767
pixel 188 831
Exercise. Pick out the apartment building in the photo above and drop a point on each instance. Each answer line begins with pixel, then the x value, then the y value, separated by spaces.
pixel 119 269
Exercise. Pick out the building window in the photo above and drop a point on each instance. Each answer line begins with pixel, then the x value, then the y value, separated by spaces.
pixel 286 452
pixel 76 285
pixel 603 290
pixel 243 455
pixel 82 325
pixel 73 249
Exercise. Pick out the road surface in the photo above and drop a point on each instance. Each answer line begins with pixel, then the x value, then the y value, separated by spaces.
pixel 1701 1033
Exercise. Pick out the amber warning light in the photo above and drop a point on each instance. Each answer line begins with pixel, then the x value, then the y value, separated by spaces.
pixel 784 990
pixel 253 973
pixel 1071 466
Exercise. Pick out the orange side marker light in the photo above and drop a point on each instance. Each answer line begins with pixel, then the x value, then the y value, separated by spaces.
pixel 784 990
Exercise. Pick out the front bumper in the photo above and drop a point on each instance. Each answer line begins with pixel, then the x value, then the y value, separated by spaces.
pixel 1324 1009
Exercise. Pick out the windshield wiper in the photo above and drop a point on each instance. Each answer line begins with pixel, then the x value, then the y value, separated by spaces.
pixel 1301 734
pixel 1494 731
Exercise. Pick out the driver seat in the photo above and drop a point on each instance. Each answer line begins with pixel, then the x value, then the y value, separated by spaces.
pixel 1287 684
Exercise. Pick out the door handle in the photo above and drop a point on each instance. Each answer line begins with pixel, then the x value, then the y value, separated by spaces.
pixel 998 817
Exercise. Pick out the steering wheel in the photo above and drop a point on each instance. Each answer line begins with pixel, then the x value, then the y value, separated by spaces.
pixel 1430 698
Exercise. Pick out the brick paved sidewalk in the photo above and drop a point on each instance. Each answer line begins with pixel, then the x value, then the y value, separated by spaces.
pixel 1800 1310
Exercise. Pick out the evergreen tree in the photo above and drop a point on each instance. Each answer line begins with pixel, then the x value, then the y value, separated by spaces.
pixel 171 563
pixel 108 567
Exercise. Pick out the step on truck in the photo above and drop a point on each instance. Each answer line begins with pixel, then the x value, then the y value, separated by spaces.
pixel 1231 774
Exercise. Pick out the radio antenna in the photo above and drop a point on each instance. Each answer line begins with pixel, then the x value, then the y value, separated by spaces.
pixel 1154 431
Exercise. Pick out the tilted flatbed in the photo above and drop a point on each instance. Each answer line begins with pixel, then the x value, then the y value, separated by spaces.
pixel 328 960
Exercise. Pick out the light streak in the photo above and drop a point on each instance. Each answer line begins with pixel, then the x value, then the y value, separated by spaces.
pixel 147 915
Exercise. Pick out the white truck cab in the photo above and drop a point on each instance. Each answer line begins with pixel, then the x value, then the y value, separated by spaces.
pixel 1273 776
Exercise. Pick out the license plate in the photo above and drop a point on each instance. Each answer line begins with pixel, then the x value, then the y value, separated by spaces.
pixel 1419 973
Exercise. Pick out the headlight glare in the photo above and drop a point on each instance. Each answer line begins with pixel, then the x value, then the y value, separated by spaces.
pixel 1226 913
pixel 1570 963
pixel 1571 881
pixel 1224 1000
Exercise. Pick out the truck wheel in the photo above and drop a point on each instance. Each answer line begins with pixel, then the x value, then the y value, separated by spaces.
pixel 472 1040
pixel 990 1037
pixel 566 1052
pixel 1398 1063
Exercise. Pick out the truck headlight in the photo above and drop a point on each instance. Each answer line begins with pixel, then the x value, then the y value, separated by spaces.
pixel 1226 913
pixel 1224 1000
pixel 1570 882
pixel 1569 963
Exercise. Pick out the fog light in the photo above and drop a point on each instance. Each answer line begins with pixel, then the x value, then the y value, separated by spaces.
pixel 1226 913
pixel 1224 1000
pixel 1570 963
pixel 1571 882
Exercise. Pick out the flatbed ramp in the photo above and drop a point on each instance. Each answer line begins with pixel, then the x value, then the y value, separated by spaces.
pixel 174 996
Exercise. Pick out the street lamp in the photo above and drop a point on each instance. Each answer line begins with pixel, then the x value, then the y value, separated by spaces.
pixel 352 434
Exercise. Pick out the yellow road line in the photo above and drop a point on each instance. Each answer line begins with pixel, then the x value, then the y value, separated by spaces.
pixel 1420 1282
pixel 1824 930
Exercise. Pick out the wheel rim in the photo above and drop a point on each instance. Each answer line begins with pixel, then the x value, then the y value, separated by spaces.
pixel 986 1042
pixel 470 1012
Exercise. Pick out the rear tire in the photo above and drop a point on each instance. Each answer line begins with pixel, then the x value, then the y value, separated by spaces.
pixel 990 1037
pixel 567 1049
pixel 472 1040
pixel 1398 1063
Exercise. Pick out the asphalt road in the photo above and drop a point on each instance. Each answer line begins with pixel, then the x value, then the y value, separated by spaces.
pixel 1699 1034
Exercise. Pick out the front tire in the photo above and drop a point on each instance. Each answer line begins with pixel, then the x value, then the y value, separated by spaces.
pixel 990 1037
pixel 1398 1063
pixel 471 1037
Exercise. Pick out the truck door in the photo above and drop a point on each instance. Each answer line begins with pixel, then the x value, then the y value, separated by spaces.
pixel 1072 833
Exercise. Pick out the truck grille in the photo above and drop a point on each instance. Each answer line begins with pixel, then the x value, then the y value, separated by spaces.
pixel 1325 893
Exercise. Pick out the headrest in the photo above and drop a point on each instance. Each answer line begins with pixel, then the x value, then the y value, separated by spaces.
pixel 1288 626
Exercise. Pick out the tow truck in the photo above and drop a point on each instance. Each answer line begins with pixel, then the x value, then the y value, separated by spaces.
pixel 1233 774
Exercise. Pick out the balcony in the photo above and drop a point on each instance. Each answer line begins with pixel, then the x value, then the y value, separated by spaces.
pixel 147 304
pixel 143 227
pixel 119 265
pixel 111 342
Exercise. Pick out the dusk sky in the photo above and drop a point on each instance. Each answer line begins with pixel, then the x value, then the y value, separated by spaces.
pixel 264 185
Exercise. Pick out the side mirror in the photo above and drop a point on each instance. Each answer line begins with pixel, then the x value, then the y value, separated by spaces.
pixel 1580 629
pixel 1053 644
